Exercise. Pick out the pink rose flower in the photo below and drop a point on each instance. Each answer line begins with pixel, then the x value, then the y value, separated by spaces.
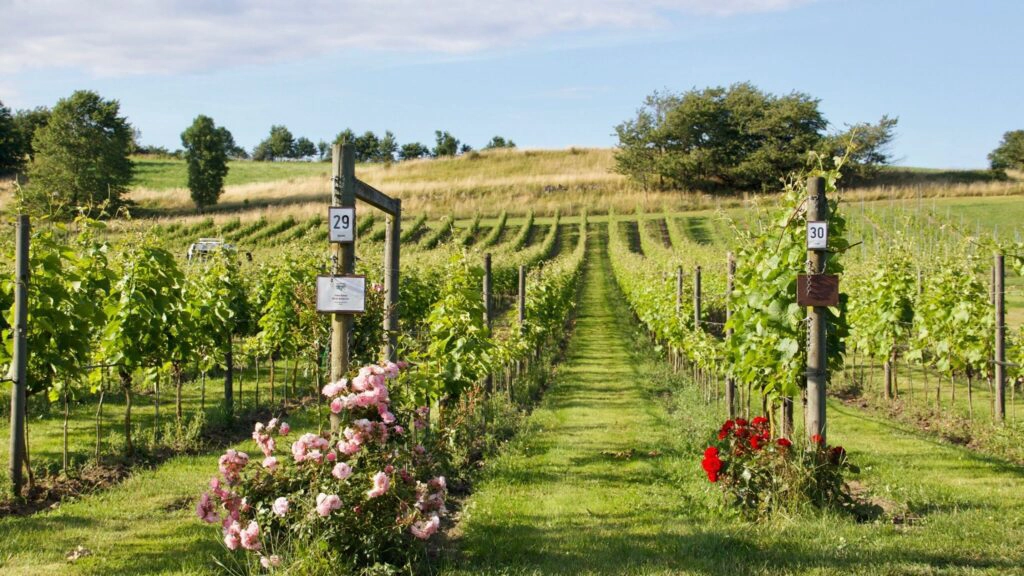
pixel 272 561
pixel 251 537
pixel 206 509
pixel 341 471
pixel 381 483
pixel 283 430
pixel 326 504
pixel 425 529
pixel 280 507
pixel 270 463
pixel 232 536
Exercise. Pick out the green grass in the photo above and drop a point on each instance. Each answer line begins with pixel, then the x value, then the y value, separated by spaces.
pixel 560 501
pixel 167 173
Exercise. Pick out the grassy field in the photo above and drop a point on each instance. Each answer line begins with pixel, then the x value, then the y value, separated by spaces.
pixel 546 181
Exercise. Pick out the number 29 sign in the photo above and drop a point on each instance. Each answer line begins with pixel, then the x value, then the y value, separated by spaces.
pixel 341 224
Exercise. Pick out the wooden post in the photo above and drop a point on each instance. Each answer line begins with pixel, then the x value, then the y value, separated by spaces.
pixel 696 298
pixel 522 299
pixel 19 366
pixel 488 311
pixel 817 354
pixel 343 256
pixel 679 291
pixel 730 382
pixel 229 380
pixel 392 239
pixel 1000 351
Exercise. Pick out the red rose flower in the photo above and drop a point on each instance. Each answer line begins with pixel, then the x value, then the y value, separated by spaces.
pixel 837 454
pixel 741 422
pixel 817 439
pixel 711 463
pixel 759 421
pixel 783 442
pixel 755 442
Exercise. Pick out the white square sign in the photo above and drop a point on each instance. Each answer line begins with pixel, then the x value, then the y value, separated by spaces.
pixel 346 294
pixel 817 235
pixel 341 224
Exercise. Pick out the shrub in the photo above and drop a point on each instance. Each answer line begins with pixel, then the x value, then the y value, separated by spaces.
pixel 360 498
pixel 760 475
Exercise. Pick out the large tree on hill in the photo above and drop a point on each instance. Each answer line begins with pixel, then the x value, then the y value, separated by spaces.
pixel 1009 155
pixel 81 156
pixel 388 147
pixel 736 138
pixel 445 144
pixel 279 144
pixel 206 153
pixel 413 151
pixel 304 148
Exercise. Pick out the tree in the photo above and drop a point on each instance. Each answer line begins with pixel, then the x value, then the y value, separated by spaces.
pixel 27 122
pixel 231 149
pixel 387 148
pixel 206 153
pixel 304 148
pixel 346 136
pixel 367 147
pixel 499 142
pixel 446 144
pixel 81 155
pixel 323 150
pixel 736 137
pixel 1010 153
pixel 412 151
pixel 279 144
pixel 11 157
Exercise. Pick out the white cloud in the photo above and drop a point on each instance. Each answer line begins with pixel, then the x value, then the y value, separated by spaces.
pixel 107 37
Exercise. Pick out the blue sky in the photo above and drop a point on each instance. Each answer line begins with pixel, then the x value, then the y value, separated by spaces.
pixel 548 74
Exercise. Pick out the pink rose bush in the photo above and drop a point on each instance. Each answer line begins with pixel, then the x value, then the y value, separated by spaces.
pixel 365 494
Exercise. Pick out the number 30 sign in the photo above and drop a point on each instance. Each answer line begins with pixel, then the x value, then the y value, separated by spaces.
pixel 817 235
pixel 341 224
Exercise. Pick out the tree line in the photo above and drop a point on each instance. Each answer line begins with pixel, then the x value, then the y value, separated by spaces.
pixel 77 156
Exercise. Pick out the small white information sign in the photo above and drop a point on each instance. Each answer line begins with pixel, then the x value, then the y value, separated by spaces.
pixel 346 294
pixel 341 224
pixel 817 235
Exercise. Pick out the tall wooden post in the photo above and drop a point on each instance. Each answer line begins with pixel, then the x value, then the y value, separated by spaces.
pixel 679 291
pixel 392 238
pixel 1000 348
pixel 817 354
pixel 696 298
pixel 730 382
pixel 19 367
pixel 343 257
pixel 488 310
pixel 522 299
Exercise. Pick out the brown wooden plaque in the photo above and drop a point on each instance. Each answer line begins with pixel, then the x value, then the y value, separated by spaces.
pixel 817 290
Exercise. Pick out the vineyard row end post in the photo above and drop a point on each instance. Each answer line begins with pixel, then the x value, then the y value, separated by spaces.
pixel 19 367
pixel 730 382
pixel 392 253
pixel 343 258
pixel 817 354
pixel 999 293
pixel 488 310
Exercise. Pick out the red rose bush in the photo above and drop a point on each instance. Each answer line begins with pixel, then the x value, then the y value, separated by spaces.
pixel 759 474
pixel 362 497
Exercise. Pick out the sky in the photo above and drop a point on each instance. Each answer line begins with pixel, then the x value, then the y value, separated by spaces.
pixel 545 73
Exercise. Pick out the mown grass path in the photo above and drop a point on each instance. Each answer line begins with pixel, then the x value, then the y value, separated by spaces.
pixel 586 489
